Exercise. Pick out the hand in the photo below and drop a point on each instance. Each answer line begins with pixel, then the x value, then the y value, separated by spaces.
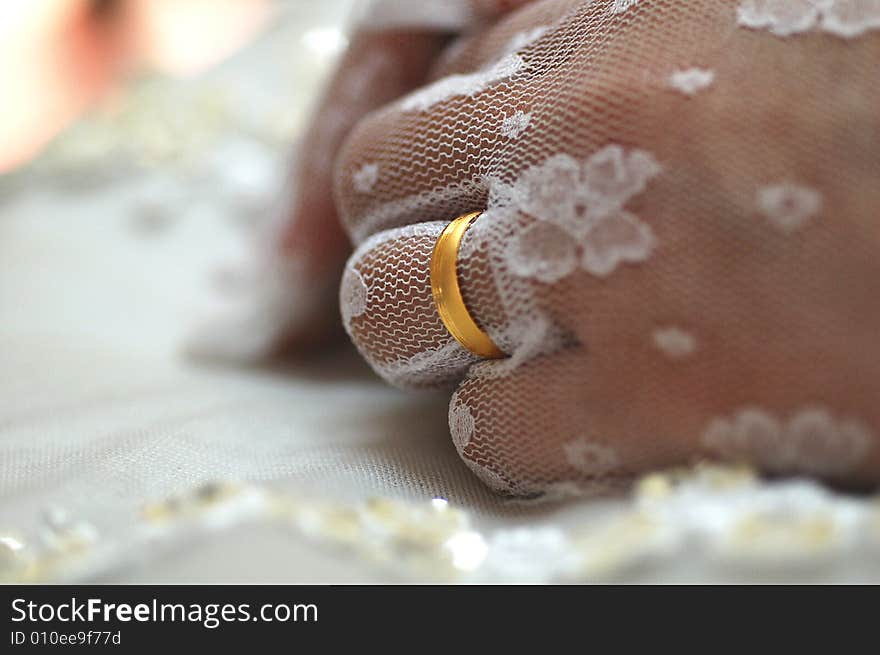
pixel 680 249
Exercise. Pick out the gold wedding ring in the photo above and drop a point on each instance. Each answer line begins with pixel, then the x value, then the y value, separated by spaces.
pixel 447 293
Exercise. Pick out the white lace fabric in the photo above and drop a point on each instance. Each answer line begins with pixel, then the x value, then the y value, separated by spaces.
pixel 679 244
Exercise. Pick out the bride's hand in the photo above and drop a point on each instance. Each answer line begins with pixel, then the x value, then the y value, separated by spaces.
pixel 680 244
pixel 680 249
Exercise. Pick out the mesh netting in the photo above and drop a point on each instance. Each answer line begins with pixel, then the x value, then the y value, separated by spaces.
pixel 679 242
pixel 679 245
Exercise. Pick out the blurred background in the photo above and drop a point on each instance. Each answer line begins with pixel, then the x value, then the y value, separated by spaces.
pixel 144 129
pixel 142 144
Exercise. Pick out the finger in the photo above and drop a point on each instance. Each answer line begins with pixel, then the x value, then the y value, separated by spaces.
pixel 433 151
pixel 568 423
pixel 388 310
pixel 531 430
pixel 392 54
pixel 289 298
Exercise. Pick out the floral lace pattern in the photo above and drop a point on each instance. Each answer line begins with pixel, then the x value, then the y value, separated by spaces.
pixel 514 125
pixel 811 442
pixel 692 80
pixel 674 342
pixel 590 457
pixel 621 6
pixel 851 18
pixel 617 239
pixel 353 294
pixel 543 252
pixel 844 18
pixel 585 202
pixel 365 178
pixel 788 206
pixel 461 423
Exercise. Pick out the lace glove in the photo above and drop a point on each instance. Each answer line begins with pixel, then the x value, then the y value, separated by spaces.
pixel 288 295
pixel 679 249
pixel 680 245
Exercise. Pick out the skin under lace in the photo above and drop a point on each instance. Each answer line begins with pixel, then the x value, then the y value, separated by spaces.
pixel 680 240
